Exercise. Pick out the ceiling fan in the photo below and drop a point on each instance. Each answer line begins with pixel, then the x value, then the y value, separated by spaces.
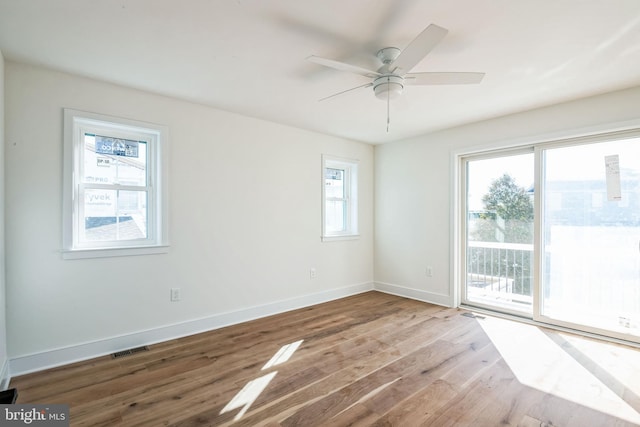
pixel 389 79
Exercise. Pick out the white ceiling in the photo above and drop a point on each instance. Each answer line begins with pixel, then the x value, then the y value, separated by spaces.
pixel 248 56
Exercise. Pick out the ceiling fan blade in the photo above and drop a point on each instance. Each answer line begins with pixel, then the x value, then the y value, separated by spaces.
pixel 443 78
pixel 418 48
pixel 345 91
pixel 341 66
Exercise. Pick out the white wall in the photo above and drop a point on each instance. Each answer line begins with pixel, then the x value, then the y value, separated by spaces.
pixel 245 224
pixel 414 187
pixel 4 371
pixel 245 217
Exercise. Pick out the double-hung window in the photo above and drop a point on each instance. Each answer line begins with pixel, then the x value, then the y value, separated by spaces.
pixel 339 198
pixel 115 186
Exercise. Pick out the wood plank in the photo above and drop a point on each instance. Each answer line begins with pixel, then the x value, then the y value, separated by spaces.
pixel 370 359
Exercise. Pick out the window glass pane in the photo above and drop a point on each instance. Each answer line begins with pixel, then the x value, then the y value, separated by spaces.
pixel 340 201
pixel 126 165
pixel 591 265
pixel 335 216
pixel 334 183
pixel 114 215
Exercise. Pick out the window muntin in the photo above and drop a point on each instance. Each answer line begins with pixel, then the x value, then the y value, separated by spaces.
pixel 115 185
pixel 339 209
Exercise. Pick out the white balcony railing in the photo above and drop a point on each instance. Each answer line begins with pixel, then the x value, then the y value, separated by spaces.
pixel 499 272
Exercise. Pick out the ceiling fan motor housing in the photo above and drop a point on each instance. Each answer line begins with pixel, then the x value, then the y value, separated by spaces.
pixel 388 86
pixel 388 54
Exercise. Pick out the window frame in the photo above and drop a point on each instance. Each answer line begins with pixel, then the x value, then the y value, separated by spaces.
pixel 76 124
pixel 350 199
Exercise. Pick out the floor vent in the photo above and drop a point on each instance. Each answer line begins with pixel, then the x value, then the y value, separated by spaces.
pixel 129 352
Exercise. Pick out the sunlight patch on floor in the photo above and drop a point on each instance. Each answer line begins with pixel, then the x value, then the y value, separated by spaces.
pixel 249 393
pixel 619 363
pixel 254 388
pixel 285 352
pixel 539 362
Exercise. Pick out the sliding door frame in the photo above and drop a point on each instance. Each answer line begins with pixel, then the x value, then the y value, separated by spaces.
pixel 463 218
pixel 538 315
pixel 623 130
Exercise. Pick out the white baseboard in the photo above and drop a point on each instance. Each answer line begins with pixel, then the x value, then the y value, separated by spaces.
pixel 417 294
pixel 5 378
pixel 76 353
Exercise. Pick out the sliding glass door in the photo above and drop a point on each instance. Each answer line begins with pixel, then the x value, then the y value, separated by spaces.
pixel 499 202
pixel 591 236
pixel 552 233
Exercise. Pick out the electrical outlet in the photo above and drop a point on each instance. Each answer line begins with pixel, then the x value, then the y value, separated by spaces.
pixel 175 294
pixel 312 273
pixel 429 271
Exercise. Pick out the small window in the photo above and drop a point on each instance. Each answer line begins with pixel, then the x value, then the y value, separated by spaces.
pixel 339 198
pixel 115 186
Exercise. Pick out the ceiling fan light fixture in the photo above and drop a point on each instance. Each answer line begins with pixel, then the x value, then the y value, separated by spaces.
pixel 388 87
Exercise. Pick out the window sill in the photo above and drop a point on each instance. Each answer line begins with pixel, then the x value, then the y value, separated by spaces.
pixel 339 238
pixel 114 252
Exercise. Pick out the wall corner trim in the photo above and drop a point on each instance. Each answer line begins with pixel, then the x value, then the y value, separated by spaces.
pixel 76 353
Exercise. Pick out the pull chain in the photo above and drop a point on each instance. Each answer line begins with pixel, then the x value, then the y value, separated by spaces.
pixel 388 102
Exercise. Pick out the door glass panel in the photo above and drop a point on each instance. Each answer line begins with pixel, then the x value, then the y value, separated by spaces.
pixel 499 232
pixel 591 226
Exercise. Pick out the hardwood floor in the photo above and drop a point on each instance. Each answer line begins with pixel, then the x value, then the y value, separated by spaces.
pixel 370 359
